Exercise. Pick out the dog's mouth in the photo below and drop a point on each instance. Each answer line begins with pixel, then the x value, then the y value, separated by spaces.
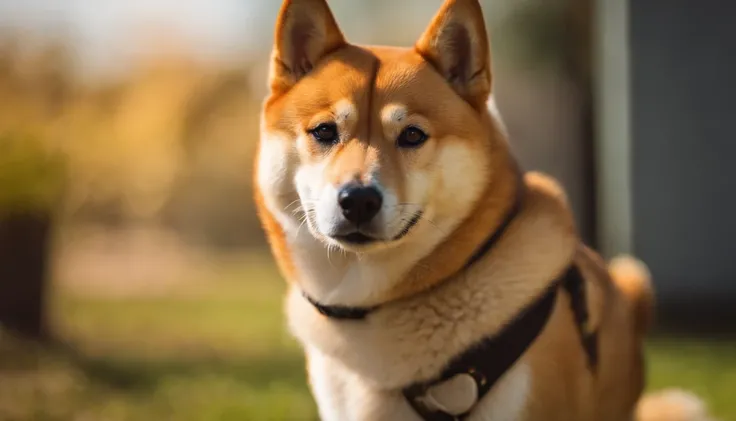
pixel 355 238
pixel 411 224
pixel 358 238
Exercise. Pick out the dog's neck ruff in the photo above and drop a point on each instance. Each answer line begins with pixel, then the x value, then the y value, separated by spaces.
pixel 339 312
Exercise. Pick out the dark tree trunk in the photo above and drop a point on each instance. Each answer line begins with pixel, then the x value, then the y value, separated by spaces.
pixel 24 261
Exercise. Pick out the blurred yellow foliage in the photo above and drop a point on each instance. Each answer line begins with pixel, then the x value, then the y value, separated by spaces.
pixel 31 178
pixel 132 142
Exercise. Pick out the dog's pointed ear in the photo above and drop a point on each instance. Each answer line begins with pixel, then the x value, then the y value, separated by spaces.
pixel 456 44
pixel 306 31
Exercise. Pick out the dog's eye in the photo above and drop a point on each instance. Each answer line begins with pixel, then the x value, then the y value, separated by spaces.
pixel 325 133
pixel 411 137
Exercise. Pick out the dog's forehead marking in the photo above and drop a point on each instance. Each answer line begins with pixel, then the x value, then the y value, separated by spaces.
pixel 345 110
pixel 393 113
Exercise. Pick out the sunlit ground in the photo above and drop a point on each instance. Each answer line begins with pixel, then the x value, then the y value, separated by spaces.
pixel 217 349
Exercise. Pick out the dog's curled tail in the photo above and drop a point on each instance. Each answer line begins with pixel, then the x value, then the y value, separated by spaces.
pixel 671 405
pixel 633 279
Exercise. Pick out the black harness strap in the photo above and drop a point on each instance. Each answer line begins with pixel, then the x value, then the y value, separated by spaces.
pixel 575 286
pixel 487 361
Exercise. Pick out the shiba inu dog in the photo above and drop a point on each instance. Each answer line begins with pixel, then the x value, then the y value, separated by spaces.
pixel 430 279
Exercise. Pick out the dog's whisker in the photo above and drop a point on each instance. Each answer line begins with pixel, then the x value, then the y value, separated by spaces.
pixel 330 248
pixel 436 226
pixel 296 201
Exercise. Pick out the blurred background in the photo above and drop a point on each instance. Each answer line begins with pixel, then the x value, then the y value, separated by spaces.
pixel 134 278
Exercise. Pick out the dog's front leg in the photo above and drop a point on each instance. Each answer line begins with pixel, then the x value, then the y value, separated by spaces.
pixel 343 396
pixel 328 386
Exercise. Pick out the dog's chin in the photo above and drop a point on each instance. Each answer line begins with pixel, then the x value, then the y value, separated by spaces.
pixel 361 242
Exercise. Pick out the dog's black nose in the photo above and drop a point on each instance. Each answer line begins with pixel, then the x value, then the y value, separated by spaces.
pixel 359 203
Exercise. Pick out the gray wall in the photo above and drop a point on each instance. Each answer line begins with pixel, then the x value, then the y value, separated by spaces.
pixel 683 70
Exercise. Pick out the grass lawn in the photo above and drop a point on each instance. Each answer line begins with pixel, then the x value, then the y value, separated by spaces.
pixel 218 350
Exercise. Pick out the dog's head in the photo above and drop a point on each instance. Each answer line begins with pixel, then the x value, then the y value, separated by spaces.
pixel 372 146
